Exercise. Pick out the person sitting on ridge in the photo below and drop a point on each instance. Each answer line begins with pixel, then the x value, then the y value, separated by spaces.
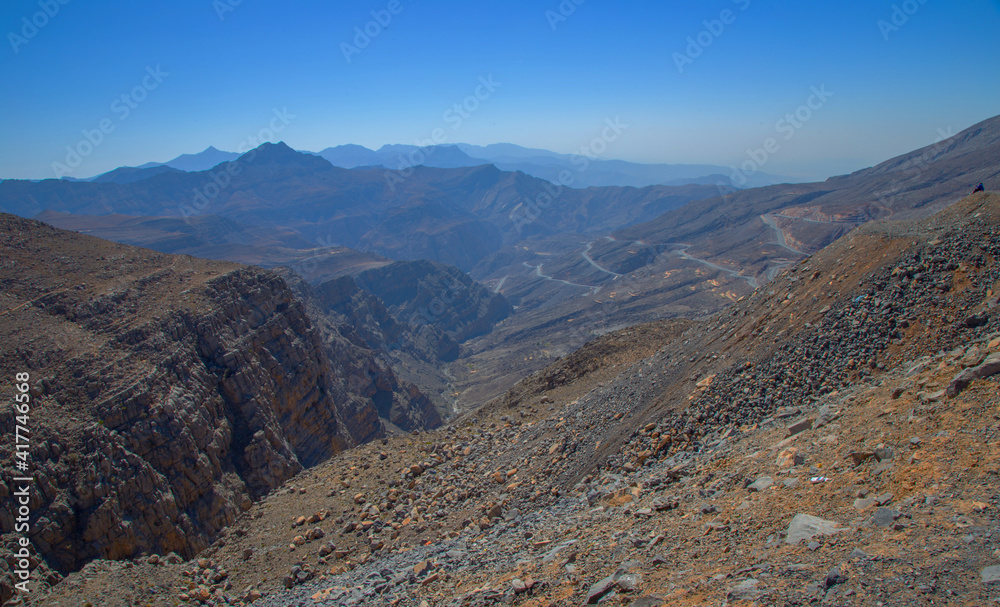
pixel 979 188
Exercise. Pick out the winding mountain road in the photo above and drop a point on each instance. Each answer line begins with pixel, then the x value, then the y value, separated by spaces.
pixel 538 273
pixel 590 260
pixel 779 234
pixel 685 255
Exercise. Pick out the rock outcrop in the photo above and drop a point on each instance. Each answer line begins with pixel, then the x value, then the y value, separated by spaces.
pixel 359 334
pixel 168 393
pixel 428 293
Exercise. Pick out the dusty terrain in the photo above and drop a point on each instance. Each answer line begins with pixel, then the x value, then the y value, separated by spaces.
pixel 830 439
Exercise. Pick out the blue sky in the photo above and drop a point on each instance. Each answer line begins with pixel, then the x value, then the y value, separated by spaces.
pixel 559 71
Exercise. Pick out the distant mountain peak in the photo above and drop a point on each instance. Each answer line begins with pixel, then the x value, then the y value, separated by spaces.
pixel 281 153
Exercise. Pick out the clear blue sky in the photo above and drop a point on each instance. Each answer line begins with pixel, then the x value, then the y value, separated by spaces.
pixel 893 89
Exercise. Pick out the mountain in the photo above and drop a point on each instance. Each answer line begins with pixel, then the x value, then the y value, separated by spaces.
pixel 169 393
pixel 698 258
pixel 350 156
pixel 587 170
pixel 453 216
pixel 605 172
pixel 202 161
pixel 131 174
pixel 400 156
pixel 791 449
pixel 590 261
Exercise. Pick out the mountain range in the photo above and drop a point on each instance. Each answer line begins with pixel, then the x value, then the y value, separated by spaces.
pixel 454 216
pixel 829 432
pixel 574 263
pixel 585 169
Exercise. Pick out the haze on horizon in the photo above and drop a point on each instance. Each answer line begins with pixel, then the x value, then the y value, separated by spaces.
pixel 838 86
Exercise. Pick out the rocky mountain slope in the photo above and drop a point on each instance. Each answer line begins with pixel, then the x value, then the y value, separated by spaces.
pixel 699 258
pixel 169 393
pixel 830 438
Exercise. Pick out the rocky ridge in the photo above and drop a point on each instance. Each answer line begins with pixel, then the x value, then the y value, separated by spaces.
pixel 828 439
pixel 169 393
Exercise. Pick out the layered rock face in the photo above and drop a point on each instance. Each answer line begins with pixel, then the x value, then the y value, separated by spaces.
pixel 428 293
pixel 367 316
pixel 168 393
pixel 359 333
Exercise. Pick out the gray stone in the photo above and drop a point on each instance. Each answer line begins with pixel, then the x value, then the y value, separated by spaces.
pixel 859 457
pixel 990 575
pixel 761 483
pixel 826 415
pixel 747 590
pixel 884 454
pixel 989 367
pixel 834 577
pixel 857 554
pixel 885 517
pixel 629 582
pixel 599 589
pixel 806 527
pixel 864 504
pixel 800 426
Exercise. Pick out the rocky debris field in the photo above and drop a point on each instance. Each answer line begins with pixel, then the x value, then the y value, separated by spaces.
pixel 831 439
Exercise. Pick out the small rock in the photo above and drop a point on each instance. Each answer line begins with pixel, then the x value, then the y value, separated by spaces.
pixel 800 426
pixel 864 504
pixel 806 527
pixel 745 591
pixel 761 483
pixel 834 577
pixel 789 458
pixel 825 416
pixel 884 499
pixel 628 582
pixel 885 517
pixel 661 504
pixel 990 575
pixel 599 589
pixel 859 457
pixel 858 554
